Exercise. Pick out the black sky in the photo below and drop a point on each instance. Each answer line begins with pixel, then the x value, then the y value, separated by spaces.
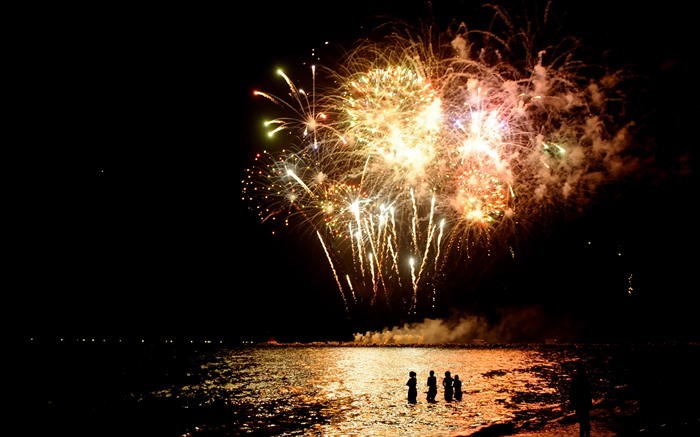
pixel 134 124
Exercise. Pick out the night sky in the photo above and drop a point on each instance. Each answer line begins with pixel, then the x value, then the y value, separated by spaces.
pixel 134 126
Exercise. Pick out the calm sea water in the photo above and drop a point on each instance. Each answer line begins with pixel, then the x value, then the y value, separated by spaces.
pixel 106 388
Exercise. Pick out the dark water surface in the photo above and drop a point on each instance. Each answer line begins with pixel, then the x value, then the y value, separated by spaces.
pixel 102 388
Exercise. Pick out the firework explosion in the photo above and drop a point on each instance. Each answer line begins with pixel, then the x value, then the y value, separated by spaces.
pixel 421 153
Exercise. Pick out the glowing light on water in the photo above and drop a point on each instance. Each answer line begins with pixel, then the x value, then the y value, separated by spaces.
pixel 421 150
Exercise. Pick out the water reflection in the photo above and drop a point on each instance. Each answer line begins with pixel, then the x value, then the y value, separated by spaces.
pixel 294 390
pixel 361 390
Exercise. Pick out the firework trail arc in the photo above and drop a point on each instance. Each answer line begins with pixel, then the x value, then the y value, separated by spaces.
pixel 426 149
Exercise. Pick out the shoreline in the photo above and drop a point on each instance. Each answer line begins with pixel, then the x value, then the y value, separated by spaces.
pixel 608 419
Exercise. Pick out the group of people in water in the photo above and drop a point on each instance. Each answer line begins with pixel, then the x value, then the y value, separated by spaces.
pixel 580 395
pixel 452 387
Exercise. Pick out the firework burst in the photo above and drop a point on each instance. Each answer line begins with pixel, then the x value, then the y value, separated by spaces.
pixel 426 149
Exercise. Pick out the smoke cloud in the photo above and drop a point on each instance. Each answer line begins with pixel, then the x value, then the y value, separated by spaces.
pixel 531 324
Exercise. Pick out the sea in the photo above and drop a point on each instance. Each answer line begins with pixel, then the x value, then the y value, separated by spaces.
pixel 109 387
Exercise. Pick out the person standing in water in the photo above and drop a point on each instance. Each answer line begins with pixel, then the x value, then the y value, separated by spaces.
pixel 581 400
pixel 447 385
pixel 457 384
pixel 432 386
pixel 412 387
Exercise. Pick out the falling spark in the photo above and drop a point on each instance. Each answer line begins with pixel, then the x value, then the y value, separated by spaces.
pixel 428 148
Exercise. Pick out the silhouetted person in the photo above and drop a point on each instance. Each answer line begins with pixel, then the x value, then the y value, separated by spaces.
pixel 580 399
pixel 412 387
pixel 447 385
pixel 432 386
pixel 457 384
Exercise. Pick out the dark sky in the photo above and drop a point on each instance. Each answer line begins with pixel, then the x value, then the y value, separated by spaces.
pixel 134 125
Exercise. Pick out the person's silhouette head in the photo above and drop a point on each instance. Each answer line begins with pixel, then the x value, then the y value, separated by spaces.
pixel 447 373
pixel 411 374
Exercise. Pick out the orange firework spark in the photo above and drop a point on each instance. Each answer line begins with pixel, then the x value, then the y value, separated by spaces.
pixel 427 148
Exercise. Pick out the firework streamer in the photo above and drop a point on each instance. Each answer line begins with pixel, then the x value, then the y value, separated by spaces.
pixel 424 152
pixel 335 274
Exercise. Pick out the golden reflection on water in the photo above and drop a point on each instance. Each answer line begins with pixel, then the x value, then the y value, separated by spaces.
pixel 362 391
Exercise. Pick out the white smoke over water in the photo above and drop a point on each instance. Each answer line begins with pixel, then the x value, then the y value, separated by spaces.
pixel 516 325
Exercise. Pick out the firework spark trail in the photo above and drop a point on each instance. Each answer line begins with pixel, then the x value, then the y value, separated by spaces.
pixel 429 239
pixel 477 134
pixel 335 274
